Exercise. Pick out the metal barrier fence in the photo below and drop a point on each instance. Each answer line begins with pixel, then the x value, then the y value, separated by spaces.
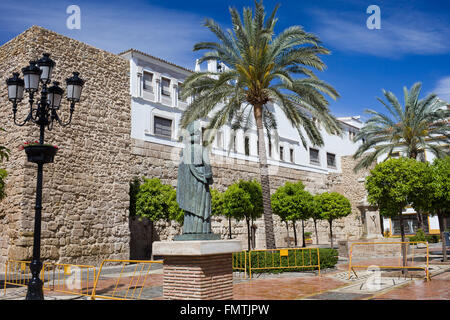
pixel 128 285
pixel 70 278
pixel 271 259
pixel 63 278
pixel 405 261
pixel 17 273
pixel 240 262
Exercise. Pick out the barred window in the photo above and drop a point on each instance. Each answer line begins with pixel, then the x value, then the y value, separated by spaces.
pixel 148 81
pixel 314 156
pixel 165 87
pixel 331 160
pixel 162 127
pixel 247 146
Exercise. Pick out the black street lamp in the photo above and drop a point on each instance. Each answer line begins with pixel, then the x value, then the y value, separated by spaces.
pixel 43 114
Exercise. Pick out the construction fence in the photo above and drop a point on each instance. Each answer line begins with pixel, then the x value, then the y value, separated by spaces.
pixel 408 257
pixel 115 279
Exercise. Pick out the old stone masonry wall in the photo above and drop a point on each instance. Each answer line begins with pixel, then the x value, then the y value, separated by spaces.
pixel 159 161
pixel 85 194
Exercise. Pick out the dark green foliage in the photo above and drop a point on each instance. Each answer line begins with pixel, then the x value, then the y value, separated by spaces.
pixel 216 203
pixel 3 175
pixel 395 183
pixel 157 201
pixel 134 189
pixel 297 260
pixel 292 202
pixel 421 236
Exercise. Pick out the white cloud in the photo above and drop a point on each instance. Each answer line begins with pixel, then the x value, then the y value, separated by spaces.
pixel 443 89
pixel 401 34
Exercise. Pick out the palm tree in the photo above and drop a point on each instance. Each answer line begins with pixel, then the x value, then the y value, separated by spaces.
pixel 418 126
pixel 412 129
pixel 260 70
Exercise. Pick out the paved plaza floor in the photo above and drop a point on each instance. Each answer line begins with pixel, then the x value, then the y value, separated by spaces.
pixel 332 284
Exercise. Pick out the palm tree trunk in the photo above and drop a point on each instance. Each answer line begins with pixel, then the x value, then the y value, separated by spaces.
pixel 265 182
pixel 442 229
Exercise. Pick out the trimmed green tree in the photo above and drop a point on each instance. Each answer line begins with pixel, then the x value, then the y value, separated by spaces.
pixel 253 188
pixel 314 213
pixel 156 201
pixel 333 206
pixel 393 184
pixel 237 204
pixel 217 208
pixel 435 196
pixel 291 202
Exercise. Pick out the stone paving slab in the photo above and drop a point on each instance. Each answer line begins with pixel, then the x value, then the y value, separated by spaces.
pixel 334 295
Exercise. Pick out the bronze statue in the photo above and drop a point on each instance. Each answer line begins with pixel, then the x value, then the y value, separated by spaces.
pixel 193 194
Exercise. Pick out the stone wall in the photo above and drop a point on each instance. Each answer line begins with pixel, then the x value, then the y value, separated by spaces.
pixel 85 193
pixel 159 161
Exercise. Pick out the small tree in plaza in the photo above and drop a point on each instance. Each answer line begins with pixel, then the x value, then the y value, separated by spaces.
pixel 237 204
pixel 333 206
pixel 156 201
pixel 291 202
pixel 435 195
pixel 395 183
pixel 217 207
pixel 314 213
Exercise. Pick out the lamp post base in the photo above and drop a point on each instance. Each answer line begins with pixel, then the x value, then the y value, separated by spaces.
pixel 35 286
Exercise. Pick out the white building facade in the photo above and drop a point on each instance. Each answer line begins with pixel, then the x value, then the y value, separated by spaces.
pixel 156 110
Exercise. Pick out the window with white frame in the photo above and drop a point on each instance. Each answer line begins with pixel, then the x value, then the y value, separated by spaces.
pixel 165 87
pixel 314 156
pixel 270 149
pixel 291 155
pixel 219 140
pixel 281 153
pixel 162 127
pixel 247 146
pixel 331 160
pixel 179 92
pixel 148 82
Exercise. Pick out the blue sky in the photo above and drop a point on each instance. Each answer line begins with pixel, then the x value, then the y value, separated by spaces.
pixel 412 45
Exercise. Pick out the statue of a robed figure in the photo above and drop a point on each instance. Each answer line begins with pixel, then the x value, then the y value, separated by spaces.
pixel 193 193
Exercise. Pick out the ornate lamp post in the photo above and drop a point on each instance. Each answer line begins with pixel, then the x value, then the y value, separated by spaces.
pixel 44 114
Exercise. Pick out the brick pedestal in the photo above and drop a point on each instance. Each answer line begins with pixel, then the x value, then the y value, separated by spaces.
pixel 197 270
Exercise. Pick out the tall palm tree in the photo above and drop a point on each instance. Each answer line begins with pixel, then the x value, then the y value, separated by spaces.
pixel 260 69
pixel 418 126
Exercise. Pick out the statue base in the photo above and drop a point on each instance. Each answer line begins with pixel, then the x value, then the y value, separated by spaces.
pixel 197 270
pixel 196 236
